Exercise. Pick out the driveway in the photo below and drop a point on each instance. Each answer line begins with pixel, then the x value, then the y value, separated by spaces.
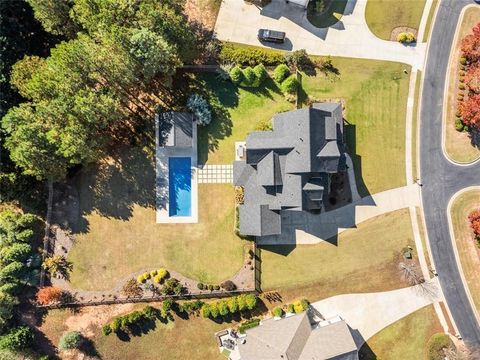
pixel 238 22
pixel 442 179
pixel 371 312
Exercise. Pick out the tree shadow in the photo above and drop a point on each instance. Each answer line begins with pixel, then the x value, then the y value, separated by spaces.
pixel 88 348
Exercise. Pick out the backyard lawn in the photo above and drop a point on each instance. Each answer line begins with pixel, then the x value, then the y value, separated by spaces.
pixel 383 16
pixel 458 145
pixel 117 234
pixel 365 259
pixel 467 247
pixel 240 112
pixel 405 339
pixel 376 94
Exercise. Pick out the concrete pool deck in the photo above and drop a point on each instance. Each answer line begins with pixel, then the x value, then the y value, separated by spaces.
pixel 162 178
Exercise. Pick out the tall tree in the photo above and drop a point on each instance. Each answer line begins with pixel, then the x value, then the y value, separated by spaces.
pixel 55 16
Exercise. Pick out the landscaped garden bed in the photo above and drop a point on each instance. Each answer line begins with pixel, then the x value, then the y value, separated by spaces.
pixel 462 138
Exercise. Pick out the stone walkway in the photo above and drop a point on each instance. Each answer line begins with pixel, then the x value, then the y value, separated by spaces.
pixel 239 22
pixel 369 313
pixel 215 174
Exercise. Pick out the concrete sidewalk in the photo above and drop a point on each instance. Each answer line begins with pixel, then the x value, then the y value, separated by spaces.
pixel 369 313
pixel 239 22
pixel 305 228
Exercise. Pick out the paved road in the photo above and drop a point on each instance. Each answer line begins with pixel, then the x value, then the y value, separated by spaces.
pixel 441 179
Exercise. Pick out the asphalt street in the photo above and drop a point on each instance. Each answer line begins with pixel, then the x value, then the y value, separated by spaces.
pixel 440 178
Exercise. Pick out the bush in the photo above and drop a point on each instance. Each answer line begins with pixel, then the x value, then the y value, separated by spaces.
pixel 49 295
pixel 153 273
pixel 300 305
pixel 436 345
pixel 461 86
pixel 281 72
pixel 290 85
pixel 251 323
pixel 106 329
pixel 190 306
pixel 244 55
pixel 141 279
pixel 200 286
pixel 249 77
pixel 70 340
pixel 214 312
pixel 210 287
pixel 223 307
pixel 171 287
pixel 236 75
pixel 277 312
pixel 290 308
pixel 216 287
pixel 161 275
pixel 205 310
pixel 463 60
pixel 228 285
pixel 406 38
pixel 18 338
pixel 166 306
pixel 459 124
pixel 131 288
pixel 232 305
pixel 260 74
pixel 461 79
pixel 199 106
pixel 300 60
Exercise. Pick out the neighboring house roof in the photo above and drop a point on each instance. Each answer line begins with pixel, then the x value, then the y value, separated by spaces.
pixel 294 338
pixel 181 131
pixel 287 168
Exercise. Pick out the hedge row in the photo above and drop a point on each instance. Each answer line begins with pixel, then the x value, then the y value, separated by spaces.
pixel 232 305
pixel 190 307
pixel 251 323
pixel 123 323
pixel 227 285
pixel 243 55
pixel 248 77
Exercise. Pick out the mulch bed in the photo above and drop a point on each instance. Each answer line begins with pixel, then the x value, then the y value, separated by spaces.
pixel 400 29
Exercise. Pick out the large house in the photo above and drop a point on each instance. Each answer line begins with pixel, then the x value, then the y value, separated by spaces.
pixel 289 168
pixel 295 338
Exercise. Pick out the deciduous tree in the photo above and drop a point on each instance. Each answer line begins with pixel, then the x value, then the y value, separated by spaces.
pixel 470 110
pixel 48 295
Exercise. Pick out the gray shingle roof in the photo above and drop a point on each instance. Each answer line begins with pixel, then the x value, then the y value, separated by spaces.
pixel 181 131
pixel 305 144
pixel 293 338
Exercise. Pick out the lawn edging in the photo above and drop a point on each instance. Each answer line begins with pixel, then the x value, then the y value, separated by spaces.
pixel 446 94
pixel 455 249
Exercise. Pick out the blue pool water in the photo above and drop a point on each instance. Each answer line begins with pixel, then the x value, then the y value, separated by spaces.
pixel 180 181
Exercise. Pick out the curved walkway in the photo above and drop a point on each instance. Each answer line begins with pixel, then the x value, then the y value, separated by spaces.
pixel 369 313
pixel 238 22
pixel 441 179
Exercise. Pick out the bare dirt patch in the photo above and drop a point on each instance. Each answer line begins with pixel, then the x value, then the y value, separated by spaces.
pixel 203 11
pixel 404 29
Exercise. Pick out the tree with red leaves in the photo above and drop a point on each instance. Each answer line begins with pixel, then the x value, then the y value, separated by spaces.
pixel 471 44
pixel 474 219
pixel 49 295
pixel 472 78
pixel 470 110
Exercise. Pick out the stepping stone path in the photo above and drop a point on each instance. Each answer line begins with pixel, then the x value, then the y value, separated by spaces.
pixel 215 174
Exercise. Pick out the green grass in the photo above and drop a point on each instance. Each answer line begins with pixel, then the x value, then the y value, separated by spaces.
pixel 118 234
pixel 405 339
pixel 376 94
pixel 332 13
pixel 383 16
pixel 429 23
pixel 468 249
pixel 239 112
pixel 372 251
pixel 418 82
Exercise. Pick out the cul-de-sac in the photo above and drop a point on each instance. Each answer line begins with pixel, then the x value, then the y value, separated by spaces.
pixel 240 179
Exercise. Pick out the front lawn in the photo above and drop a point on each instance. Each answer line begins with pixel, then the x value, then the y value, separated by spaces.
pixel 468 248
pixel 405 339
pixel 239 112
pixel 383 16
pixel 376 94
pixel 365 259
pixel 117 234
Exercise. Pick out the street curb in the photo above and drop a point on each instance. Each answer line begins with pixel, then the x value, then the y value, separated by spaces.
pixel 454 245
pixel 445 91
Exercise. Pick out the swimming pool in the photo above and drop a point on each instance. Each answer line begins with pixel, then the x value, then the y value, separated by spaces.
pixel 180 186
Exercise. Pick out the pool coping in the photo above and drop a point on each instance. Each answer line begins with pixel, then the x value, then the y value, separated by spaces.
pixel 162 178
